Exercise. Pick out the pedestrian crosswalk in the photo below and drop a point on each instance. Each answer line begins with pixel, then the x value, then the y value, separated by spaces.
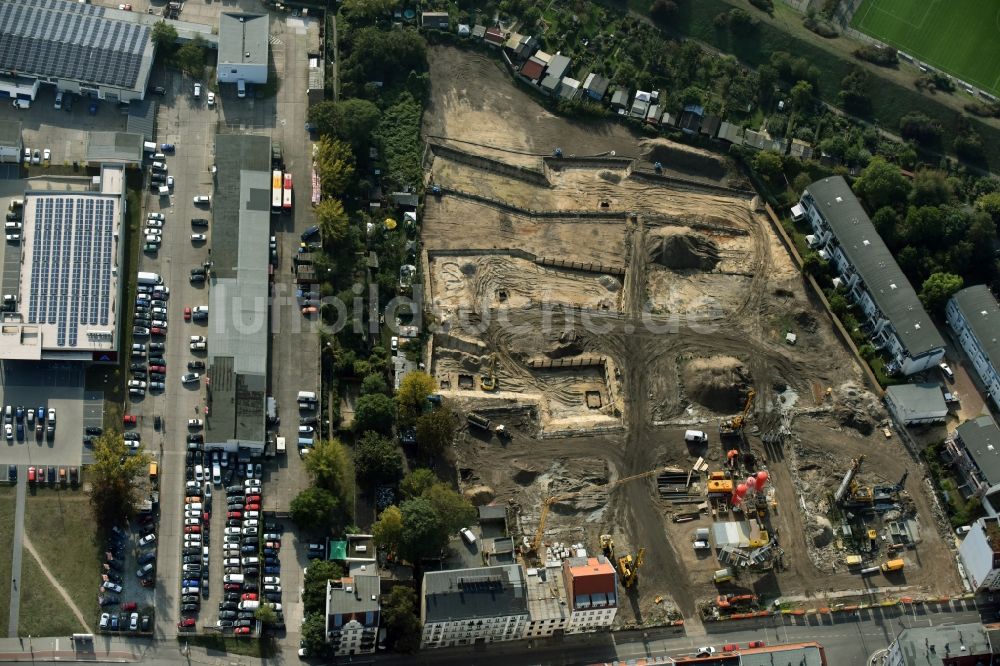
pixel 274 41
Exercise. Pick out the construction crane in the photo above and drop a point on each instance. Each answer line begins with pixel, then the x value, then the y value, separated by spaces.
pixel 549 501
pixel 734 426
pixel 628 569
pixel 857 493
pixel 488 382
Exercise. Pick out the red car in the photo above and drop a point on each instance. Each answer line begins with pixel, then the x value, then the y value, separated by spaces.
pixel 730 647
pixel 31 475
pixel 273 544
pixel 130 419
pixel 252 507
pixel 252 498
pixel 147 582
pixel 241 631
pixel 232 586
pixel 234 514
pixel 249 596
pixel 755 644
pixel 156 330
pixel 129 605
pixel 158 368
pixel 186 623
pixel 187 314
pixel 192 529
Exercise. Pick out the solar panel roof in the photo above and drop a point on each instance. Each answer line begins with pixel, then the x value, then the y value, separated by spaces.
pixel 58 38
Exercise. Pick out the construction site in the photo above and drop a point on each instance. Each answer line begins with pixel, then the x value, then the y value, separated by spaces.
pixel 644 372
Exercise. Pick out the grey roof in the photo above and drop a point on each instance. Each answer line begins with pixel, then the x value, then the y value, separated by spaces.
pixel 550 83
pixel 68 40
pixel 10 132
pixel 492 512
pixel 558 66
pixel 620 98
pixel 981 438
pixel 461 594
pixel 142 118
pixel 928 646
pixel 917 400
pixel 243 38
pixel 783 654
pixel 114 147
pixel 434 19
pixel 980 308
pixel 596 84
pixel 238 295
pixel 873 261
pixel 357 600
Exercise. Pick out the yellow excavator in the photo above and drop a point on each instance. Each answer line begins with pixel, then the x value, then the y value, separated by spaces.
pixel 628 569
pixel 734 426
pixel 488 382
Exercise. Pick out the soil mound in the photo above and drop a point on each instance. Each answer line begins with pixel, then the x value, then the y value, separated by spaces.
pixel 525 476
pixel 568 345
pixel 686 251
pixel 610 176
pixel 479 495
pixel 716 383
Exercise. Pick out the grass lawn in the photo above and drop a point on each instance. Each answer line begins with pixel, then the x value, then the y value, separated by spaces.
pixel 251 647
pixel 7 503
pixel 960 37
pixel 43 610
pixel 62 529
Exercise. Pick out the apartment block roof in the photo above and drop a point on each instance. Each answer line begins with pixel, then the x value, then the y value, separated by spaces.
pixel 981 438
pixel 980 308
pixel 465 594
pixel 883 278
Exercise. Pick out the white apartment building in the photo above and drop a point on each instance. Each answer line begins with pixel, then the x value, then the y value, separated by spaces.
pixel 974 314
pixel 893 317
pixel 473 606
pixel 352 614
pixel 548 611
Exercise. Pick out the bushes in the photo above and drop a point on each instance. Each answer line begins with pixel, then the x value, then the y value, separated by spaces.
pixel 399 133
pixel 764 5
pixel 821 27
pixel 886 57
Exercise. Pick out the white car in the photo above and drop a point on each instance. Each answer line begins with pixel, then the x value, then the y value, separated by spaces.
pixel 272 580
pixel 197 90
pixel 211 98
pixel 36 156
pixel 201 199
pixel 156 216
pixel 148 539
pixel 198 346
pixel 251 523
pixel 233 531
pixel 198 238
pixel 191 521
pixel 197 338
pixel 195 423
pixel 136 383
pixel 190 378
pixel 193 513
pixel 153 231
pixel 251 515
pixel 249 531
pixel 253 490
pixel 27 155
pixel 8 431
pixel 46 155
pixel 305 430
pixel 706 650
pixel 231 562
pixel 159 312
pixel 170 181
pixel 193 506
pixel 394 343
pixel 154 224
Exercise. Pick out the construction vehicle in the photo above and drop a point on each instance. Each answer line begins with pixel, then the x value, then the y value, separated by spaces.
pixel 731 602
pixel 608 546
pixel 502 432
pixel 892 565
pixel 478 420
pixel 488 382
pixel 549 501
pixel 857 493
pixel 628 568
pixel 734 426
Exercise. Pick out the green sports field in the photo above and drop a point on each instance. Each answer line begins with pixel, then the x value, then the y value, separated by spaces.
pixel 960 37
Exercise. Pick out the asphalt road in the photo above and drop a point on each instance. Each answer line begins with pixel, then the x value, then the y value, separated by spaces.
pixel 15 562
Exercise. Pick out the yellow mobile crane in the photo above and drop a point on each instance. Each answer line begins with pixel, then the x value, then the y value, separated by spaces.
pixel 628 568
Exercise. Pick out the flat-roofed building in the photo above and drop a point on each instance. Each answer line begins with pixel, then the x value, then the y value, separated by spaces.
pixel 243 44
pixel 469 606
pixel 974 314
pixel 238 298
pixel 352 614
pixel 67 288
pixel 548 611
pixel 592 593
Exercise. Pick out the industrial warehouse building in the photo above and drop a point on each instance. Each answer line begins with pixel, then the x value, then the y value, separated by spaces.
pixel 894 319
pixel 238 298
pixel 62 302
pixel 87 49
pixel 243 41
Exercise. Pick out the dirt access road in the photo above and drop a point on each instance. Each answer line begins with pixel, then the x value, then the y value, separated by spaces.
pixel 674 366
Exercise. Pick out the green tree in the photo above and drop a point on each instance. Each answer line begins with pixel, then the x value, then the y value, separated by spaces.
pixel 314 635
pixel 768 165
pixel 164 37
pixel 266 614
pixel 332 221
pixel 334 166
pixel 191 57
pixel 931 188
pixel 919 127
pixel 367 10
pixel 854 94
pixel 424 532
pixel 839 305
pixel 374 383
pixel 351 121
pixel 115 476
pixel 990 203
pixel 882 184
pixel 383 55
pixel 662 11
pixel 937 289
pixel 377 459
pixel 412 394
pixel 886 221
pixel 802 97
pixel 375 411
pixel 314 584
pixel 388 530
pixel 399 134
pixel 329 465
pixel 402 622
pixel 417 482
pixel 455 511
pixel 312 510
pixel 435 431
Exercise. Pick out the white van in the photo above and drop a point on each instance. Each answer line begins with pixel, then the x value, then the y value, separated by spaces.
pixel 468 536
pixel 241 88
pixel 147 278
pixel 216 474
pixel 249 605
pixel 232 578
pixel 306 396
pixel 695 437
pixel 163 191
pixel 148 146
pixel 21 104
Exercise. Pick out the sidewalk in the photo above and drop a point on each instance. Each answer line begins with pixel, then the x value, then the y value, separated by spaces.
pixel 63 648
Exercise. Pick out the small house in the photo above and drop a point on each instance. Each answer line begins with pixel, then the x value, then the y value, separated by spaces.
pixel 668 120
pixel 550 84
pixel 691 117
pixel 710 126
pixel 434 20
pixel 526 47
pixel 543 56
pixel 569 89
pixel 513 39
pixel 464 30
pixel 801 149
pixel 653 114
pixel 494 37
pixel 731 133
pixel 532 69
pixel 619 100
pixel 558 65
pixel 639 107
pixel 478 31
pixel 595 86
